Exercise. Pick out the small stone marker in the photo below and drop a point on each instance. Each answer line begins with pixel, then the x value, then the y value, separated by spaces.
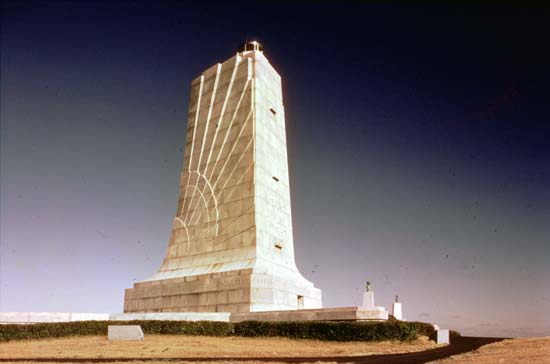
pixel 125 332
pixel 443 336
pixel 397 310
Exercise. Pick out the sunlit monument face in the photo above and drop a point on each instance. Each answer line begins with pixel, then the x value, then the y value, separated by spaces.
pixel 231 247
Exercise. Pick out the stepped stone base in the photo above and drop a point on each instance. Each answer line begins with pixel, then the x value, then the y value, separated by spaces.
pixel 172 316
pixel 322 314
pixel 236 291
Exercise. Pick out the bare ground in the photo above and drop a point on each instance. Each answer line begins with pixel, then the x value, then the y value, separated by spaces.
pixel 512 351
pixel 207 350
pixel 177 346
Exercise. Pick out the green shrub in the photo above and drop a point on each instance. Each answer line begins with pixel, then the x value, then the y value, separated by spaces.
pixel 335 331
pixel 205 328
pixel 81 328
pixel 321 330
pixel 422 328
pixel 53 329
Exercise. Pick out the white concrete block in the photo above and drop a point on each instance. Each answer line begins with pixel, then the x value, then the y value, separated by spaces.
pixel 443 336
pixel 397 311
pixel 125 332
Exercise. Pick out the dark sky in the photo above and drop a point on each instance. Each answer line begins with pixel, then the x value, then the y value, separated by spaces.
pixel 418 142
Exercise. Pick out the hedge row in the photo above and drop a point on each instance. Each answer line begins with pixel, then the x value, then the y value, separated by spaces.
pixel 322 330
pixel 336 331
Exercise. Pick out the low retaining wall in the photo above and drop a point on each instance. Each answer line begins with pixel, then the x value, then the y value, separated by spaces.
pixel 315 314
pixel 320 314
pixel 172 316
pixel 36 317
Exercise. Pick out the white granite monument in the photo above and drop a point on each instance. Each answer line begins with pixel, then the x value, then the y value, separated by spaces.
pixel 231 248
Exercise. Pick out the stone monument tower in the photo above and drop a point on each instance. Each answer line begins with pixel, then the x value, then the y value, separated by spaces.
pixel 231 248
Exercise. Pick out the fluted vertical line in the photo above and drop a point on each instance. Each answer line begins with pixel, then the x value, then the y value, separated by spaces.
pixel 220 120
pixel 205 134
pixel 229 129
pixel 227 161
pixel 230 174
pixel 224 140
pixel 193 143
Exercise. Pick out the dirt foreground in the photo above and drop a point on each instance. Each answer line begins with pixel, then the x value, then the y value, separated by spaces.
pixel 512 351
pixel 178 346
pixel 238 350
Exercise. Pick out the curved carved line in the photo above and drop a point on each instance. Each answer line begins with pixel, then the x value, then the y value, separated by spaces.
pixel 230 153
pixel 186 231
pixel 212 195
pixel 205 204
pixel 227 134
pixel 238 182
pixel 207 122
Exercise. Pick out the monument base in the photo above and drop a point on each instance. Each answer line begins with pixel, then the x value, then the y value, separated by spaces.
pixel 397 311
pixel 172 316
pixel 236 291
pixel 368 300
pixel 320 314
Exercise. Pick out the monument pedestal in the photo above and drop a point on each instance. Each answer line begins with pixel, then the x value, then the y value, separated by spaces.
pixel 320 314
pixel 368 310
pixel 368 300
pixel 397 311
pixel 317 314
pixel 233 291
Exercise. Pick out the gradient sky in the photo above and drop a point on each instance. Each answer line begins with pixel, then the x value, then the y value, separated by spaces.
pixel 418 143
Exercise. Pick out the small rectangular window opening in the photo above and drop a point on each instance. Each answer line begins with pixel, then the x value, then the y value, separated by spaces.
pixel 273 111
pixel 300 302
pixel 275 178
pixel 279 246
